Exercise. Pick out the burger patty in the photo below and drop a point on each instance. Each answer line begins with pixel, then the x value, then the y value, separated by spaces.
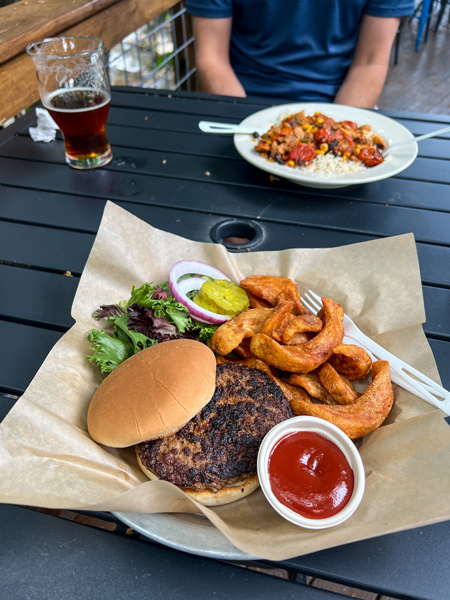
pixel 219 446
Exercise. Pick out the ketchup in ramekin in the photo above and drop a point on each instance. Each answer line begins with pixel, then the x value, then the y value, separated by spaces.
pixel 311 472
pixel 310 475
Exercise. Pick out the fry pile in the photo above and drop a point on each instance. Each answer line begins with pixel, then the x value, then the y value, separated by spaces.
pixel 304 354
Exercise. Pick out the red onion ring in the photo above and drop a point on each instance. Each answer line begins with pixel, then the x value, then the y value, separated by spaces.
pixel 180 289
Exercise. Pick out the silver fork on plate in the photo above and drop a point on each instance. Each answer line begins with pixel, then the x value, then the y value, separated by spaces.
pixel 416 139
pixel 402 374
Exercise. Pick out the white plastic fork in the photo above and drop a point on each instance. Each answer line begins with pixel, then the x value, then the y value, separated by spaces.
pixel 212 127
pixel 420 385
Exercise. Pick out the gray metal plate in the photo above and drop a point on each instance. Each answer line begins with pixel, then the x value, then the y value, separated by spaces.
pixel 186 532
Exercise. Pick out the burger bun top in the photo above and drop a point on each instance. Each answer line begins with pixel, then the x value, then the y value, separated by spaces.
pixel 152 394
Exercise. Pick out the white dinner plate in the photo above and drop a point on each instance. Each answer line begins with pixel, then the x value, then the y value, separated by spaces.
pixel 391 131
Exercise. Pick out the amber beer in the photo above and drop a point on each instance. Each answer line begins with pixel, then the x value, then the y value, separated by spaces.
pixel 81 114
pixel 81 110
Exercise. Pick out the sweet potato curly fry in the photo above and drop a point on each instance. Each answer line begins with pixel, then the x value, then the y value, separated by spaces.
pixel 267 287
pixel 243 349
pixel 351 361
pixel 221 360
pixel 292 392
pixel 294 295
pixel 300 324
pixel 296 339
pixel 229 335
pixel 256 302
pixel 342 391
pixel 311 383
pixel 304 357
pixel 274 290
pixel 278 318
pixel 362 417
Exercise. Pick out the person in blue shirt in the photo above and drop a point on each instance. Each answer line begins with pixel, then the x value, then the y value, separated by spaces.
pixel 301 50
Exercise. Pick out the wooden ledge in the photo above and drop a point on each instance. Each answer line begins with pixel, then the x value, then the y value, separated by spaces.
pixel 32 20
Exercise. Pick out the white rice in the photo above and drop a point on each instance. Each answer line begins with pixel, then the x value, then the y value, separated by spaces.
pixel 329 164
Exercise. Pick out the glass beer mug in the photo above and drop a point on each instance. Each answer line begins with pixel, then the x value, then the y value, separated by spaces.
pixel 74 88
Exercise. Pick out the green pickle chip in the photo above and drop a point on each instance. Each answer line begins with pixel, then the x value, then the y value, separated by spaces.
pixel 222 297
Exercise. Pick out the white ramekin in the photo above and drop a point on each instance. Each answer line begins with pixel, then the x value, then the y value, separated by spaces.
pixel 334 434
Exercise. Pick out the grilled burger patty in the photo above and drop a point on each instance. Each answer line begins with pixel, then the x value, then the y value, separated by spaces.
pixel 219 446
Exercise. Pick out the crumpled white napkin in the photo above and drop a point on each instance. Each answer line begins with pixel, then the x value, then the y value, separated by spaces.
pixel 46 127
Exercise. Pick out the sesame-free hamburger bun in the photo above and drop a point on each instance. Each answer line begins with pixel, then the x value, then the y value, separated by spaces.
pixel 152 394
pixel 193 424
pixel 213 457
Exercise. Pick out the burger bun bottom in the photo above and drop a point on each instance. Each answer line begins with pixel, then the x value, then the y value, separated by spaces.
pixel 226 495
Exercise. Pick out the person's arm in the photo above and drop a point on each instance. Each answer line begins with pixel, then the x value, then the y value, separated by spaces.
pixel 365 79
pixel 212 46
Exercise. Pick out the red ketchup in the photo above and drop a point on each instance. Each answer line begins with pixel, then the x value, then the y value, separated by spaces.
pixel 310 475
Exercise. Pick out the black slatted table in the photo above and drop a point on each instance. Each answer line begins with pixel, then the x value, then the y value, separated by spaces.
pixel 171 175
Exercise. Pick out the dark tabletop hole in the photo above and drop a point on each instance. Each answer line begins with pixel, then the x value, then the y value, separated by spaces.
pixel 237 234
pixel 236 240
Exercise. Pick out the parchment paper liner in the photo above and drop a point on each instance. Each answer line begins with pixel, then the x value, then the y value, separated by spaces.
pixel 47 458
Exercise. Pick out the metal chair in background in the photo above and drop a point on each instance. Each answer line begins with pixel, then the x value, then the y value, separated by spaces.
pixel 444 5
pixel 424 21
pixel 397 40
pixel 426 10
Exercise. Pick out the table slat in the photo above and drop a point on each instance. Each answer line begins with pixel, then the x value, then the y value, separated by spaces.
pixel 414 574
pixel 64 558
pixel 23 354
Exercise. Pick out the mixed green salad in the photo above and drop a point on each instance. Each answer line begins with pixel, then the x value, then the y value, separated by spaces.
pixel 150 316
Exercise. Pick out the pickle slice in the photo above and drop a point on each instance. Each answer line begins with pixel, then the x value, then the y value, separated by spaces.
pixel 222 297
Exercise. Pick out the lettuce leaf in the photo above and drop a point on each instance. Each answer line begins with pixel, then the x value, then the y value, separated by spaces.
pixel 150 316
pixel 139 340
pixel 206 332
pixel 108 351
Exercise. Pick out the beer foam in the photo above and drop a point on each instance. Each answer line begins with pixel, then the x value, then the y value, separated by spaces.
pixel 73 91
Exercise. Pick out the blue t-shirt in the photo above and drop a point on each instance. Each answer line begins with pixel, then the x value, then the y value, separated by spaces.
pixel 295 49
